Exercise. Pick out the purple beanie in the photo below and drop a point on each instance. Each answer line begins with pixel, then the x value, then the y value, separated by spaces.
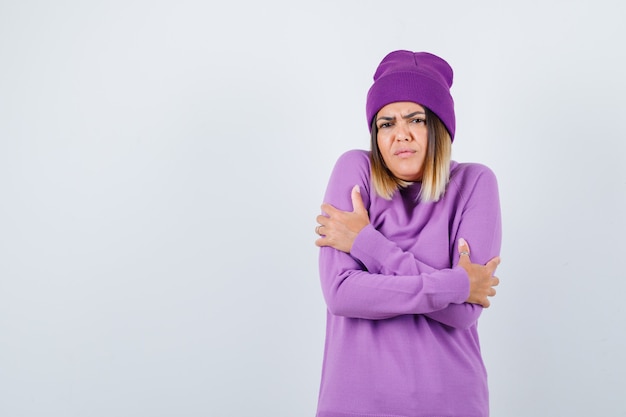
pixel 420 77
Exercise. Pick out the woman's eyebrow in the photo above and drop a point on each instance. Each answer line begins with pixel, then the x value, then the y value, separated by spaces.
pixel 408 116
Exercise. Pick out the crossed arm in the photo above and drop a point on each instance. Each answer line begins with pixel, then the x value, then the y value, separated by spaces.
pixel 338 229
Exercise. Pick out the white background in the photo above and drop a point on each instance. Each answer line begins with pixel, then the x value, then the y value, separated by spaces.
pixel 162 164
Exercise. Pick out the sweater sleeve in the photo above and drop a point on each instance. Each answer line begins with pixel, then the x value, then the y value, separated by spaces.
pixel 351 290
pixel 378 254
pixel 479 223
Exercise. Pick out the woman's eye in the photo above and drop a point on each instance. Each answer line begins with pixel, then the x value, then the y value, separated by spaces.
pixel 383 125
pixel 418 120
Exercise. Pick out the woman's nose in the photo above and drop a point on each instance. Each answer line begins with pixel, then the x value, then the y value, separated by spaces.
pixel 402 134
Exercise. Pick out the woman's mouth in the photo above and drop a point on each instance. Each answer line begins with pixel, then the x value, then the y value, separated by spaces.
pixel 404 152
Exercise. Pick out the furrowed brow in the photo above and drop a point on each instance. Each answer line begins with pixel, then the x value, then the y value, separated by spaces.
pixel 408 116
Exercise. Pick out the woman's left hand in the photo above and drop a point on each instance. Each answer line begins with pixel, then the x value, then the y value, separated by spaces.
pixel 338 229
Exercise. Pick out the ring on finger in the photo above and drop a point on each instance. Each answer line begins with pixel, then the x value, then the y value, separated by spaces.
pixel 464 253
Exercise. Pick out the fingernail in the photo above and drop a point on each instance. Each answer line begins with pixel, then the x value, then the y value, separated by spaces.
pixel 357 188
pixel 462 242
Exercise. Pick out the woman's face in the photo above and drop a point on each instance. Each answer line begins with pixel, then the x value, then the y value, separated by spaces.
pixel 403 139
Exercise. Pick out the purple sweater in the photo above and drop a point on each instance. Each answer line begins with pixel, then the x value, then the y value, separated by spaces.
pixel 400 341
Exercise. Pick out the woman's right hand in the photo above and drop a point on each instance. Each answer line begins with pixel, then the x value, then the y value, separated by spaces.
pixel 481 277
pixel 337 228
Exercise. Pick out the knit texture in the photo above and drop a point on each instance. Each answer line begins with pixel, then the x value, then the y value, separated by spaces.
pixel 400 341
pixel 419 77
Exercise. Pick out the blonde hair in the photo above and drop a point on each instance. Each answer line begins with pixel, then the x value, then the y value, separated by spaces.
pixel 436 166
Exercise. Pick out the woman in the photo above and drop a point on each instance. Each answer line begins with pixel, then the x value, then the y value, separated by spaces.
pixel 403 296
